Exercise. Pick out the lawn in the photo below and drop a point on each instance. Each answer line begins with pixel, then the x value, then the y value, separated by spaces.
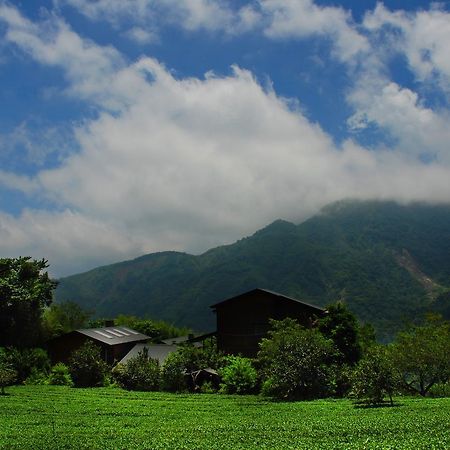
pixel 46 417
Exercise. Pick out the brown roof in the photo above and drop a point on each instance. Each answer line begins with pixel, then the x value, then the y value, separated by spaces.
pixel 276 294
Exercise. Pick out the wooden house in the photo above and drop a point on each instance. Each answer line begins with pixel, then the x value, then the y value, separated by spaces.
pixel 243 320
pixel 114 342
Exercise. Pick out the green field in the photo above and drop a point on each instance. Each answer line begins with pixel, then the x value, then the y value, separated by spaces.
pixel 46 417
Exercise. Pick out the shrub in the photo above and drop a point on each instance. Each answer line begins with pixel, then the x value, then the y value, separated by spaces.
pixel 7 376
pixel 140 373
pixel 86 366
pixel 24 361
pixel 188 359
pixel 238 376
pixel 373 377
pixel 36 377
pixel 295 362
pixel 60 375
pixel 173 373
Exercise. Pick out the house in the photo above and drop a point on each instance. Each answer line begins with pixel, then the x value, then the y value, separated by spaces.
pixel 114 341
pixel 243 320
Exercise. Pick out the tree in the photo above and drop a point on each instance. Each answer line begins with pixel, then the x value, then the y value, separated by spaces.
pixel 25 290
pixel 341 326
pixel 86 366
pixel 295 362
pixel 421 356
pixel 64 317
pixel 373 377
pixel 140 373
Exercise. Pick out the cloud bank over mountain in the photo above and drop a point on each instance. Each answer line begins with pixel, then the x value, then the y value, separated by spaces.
pixel 187 162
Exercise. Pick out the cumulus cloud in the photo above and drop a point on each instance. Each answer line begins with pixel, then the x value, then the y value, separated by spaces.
pixel 187 163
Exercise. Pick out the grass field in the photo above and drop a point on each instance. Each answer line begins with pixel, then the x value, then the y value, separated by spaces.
pixel 47 417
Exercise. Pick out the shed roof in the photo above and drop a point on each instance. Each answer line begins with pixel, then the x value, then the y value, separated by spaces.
pixel 155 351
pixel 113 335
pixel 275 294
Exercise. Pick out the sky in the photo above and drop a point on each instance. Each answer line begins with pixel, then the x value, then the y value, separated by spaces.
pixel 134 126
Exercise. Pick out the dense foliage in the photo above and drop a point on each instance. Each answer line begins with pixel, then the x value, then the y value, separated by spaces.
pixel 63 317
pixel 238 375
pixel 8 376
pixel 86 366
pixel 25 361
pixel 350 250
pixel 341 326
pixel 140 373
pixel 25 290
pixel 48 417
pixel 374 378
pixel 421 356
pixel 60 375
pixel 295 362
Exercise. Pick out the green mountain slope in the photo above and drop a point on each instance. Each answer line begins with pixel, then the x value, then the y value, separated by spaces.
pixel 390 263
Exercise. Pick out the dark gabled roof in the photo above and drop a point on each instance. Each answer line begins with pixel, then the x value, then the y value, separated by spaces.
pixel 113 335
pixel 276 294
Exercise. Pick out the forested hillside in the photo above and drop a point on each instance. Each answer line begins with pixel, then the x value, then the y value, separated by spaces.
pixel 390 263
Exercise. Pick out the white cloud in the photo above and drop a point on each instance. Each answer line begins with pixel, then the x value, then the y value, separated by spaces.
pixel 303 18
pixel 189 163
pixel 422 36
pixel 142 36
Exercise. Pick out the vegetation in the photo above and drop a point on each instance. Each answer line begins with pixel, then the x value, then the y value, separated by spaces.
pixel 421 356
pixel 60 375
pixel 238 375
pixel 350 250
pixel 44 417
pixel 86 366
pixel 295 362
pixel 373 378
pixel 25 290
pixel 63 317
pixel 25 361
pixel 8 376
pixel 140 373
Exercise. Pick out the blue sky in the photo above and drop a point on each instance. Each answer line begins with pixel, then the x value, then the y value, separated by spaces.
pixel 134 126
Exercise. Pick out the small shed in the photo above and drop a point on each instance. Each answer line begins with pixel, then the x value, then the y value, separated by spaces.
pixel 115 342
pixel 243 320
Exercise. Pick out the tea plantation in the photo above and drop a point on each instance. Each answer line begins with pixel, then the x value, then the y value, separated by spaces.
pixel 51 417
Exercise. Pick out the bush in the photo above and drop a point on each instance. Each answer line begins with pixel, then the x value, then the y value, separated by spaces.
pixel 36 377
pixel 295 362
pixel 373 377
pixel 7 376
pixel 140 373
pixel 238 376
pixel 86 366
pixel 188 359
pixel 24 361
pixel 60 375
pixel 173 373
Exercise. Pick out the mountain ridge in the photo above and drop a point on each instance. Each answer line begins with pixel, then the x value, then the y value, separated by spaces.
pixel 347 251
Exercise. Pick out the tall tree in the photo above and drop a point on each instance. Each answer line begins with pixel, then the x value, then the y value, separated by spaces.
pixel 421 355
pixel 25 290
pixel 341 326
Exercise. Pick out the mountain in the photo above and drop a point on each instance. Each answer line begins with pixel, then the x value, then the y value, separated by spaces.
pixel 390 263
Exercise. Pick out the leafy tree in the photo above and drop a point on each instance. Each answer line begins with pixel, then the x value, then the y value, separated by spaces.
pixel 238 375
pixel 86 366
pixel 140 373
pixel 295 362
pixel 341 326
pixel 373 377
pixel 64 317
pixel 421 356
pixel 7 376
pixel 25 290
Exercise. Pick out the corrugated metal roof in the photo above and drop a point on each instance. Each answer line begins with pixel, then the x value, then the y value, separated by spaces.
pixel 114 335
pixel 285 297
pixel 155 351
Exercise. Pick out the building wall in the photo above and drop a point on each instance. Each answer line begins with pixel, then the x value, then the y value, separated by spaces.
pixel 242 322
